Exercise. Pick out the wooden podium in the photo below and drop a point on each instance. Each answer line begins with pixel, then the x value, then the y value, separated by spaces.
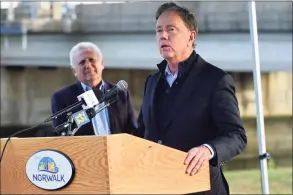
pixel 114 164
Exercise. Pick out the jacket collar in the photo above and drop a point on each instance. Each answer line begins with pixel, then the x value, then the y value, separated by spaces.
pixel 183 67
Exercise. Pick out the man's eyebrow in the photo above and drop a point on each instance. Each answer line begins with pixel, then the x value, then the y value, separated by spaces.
pixel 81 61
pixel 159 27
pixel 169 25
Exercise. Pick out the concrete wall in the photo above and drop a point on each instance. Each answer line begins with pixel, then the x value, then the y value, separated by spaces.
pixel 276 91
pixel 26 92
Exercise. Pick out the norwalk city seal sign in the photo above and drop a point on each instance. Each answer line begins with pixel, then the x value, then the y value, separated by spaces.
pixel 50 169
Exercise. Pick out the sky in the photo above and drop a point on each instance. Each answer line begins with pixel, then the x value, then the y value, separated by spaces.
pixel 5 5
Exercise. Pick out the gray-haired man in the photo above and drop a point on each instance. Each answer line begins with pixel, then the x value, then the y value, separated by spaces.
pixel 87 66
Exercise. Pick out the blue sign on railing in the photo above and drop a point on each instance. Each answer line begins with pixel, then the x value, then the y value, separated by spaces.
pixel 11 29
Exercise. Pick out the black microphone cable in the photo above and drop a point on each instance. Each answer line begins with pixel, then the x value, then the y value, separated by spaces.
pixel 16 133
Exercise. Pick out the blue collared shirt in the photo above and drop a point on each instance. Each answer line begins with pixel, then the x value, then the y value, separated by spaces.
pixel 101 122
pixel 169 76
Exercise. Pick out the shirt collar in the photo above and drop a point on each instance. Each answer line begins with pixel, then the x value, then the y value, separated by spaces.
pixel 86 87
pixel 183 67
pixel 168 71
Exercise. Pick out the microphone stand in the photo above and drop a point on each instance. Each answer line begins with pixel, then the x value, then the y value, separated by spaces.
pixel 67 109
pixel 98 111
pixel 69 123
pixel 70 119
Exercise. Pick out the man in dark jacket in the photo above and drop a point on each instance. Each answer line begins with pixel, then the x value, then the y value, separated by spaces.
pixel 189 104
pixel 87 66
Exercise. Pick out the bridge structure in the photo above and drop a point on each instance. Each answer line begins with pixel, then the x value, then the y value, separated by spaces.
pixel 126 35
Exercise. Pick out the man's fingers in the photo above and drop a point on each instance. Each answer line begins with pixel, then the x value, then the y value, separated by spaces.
pixel 195 159
pixel 198 165
pixel 193 163
pixel 191 154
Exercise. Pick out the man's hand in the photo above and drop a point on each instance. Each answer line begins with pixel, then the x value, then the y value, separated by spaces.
pixel 196 157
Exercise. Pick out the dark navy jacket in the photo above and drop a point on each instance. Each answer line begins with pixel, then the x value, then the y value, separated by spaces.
pixel 205 111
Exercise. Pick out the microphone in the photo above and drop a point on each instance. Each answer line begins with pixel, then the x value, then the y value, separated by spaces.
pixel 82 120
pixel 121 85
pixel 87 100
pixel 82 117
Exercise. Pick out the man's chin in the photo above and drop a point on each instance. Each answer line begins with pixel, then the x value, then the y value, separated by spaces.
pixel 167 55
pixel 91 77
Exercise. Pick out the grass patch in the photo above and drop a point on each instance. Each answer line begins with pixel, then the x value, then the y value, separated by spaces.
pixel 249 181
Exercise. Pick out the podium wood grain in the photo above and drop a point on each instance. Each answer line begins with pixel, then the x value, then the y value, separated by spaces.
pixel 150 168
pixel 115 164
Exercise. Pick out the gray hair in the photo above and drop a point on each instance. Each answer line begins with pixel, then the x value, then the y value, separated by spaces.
pixel 83 45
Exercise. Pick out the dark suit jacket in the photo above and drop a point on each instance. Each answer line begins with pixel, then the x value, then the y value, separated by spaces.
pixel 204 112
pixel 121 113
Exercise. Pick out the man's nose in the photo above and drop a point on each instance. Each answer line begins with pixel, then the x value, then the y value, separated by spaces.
pixel 87 63
pixel 164 35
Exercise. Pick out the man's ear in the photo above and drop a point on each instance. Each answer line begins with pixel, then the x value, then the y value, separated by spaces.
pixel 192 37
pixel 102 63
pixel 73 71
